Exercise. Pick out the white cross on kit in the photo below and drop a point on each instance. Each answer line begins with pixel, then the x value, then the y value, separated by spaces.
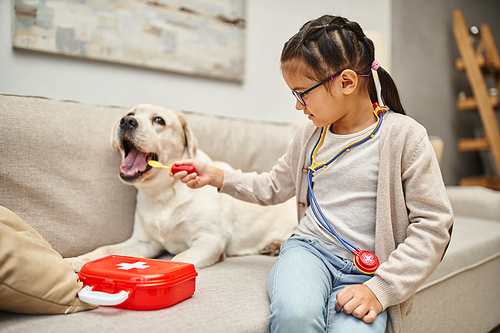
pixel 126 266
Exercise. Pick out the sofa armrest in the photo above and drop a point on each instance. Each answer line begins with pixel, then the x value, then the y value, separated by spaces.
pixel 475 201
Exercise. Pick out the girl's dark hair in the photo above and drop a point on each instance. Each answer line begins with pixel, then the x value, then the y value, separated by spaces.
pixel 330 44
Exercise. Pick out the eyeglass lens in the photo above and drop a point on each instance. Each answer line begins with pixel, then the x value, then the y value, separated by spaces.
pixel 299 97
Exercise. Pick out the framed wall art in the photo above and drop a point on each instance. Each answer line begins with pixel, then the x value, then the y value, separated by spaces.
pixel 194 37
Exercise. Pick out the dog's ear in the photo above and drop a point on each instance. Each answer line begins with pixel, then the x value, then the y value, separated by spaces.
pixel 191 141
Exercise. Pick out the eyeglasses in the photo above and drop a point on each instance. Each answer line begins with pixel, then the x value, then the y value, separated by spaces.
pixel 300 95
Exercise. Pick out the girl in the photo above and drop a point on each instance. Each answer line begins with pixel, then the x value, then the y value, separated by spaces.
pixel 360 176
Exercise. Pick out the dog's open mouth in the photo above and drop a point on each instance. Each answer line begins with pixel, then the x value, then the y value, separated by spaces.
pixel 135 162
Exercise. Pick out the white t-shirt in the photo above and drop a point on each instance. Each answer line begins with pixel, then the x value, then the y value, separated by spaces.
pixel 346 192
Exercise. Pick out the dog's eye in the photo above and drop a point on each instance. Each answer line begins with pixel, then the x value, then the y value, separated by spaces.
pixel 159 121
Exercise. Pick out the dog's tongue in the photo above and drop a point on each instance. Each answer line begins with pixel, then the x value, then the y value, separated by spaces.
pixel 135 160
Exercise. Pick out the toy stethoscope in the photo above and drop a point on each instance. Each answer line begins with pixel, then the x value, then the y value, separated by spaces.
pixel 365 261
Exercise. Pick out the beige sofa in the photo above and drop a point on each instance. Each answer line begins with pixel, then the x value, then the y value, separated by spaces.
pixel 59 173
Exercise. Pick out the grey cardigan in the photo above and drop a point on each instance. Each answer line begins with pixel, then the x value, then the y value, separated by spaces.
pixel 414 216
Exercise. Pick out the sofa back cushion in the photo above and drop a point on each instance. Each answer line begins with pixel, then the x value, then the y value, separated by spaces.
pixel 245 144
pixel 59 173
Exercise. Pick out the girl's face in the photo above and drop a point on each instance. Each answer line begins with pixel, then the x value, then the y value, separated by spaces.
pixel 322 105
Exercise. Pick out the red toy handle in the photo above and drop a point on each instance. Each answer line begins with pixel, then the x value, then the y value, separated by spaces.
pixel 178 168
pixel 365 261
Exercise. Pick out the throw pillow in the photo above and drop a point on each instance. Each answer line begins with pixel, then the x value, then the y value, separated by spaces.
pixel 34 278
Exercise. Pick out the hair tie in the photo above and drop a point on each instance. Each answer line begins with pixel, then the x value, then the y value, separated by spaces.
pixel 375 65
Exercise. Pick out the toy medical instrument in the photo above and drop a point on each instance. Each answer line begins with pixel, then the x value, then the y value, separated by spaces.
pixel 172 167
pixel 365 261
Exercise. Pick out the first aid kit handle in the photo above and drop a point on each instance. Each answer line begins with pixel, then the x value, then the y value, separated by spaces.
pixel 97 297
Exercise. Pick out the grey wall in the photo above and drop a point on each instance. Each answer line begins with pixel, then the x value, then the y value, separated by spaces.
pixel 423 58
pixel 263 95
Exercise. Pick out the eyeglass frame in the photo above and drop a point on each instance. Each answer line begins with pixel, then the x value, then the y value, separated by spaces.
pixel 300 95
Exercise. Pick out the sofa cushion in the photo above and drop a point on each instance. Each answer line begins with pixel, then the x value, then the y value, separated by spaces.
pixel 33 277
pixel 464 289
pixel 473 241
pixel 60 173
pixel 475 201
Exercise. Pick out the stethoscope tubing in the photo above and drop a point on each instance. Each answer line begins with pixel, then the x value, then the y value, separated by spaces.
pixel 322 219
pixel 318 213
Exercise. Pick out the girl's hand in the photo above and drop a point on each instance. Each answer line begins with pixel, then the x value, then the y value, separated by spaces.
pixel 359 301
pixel 204 175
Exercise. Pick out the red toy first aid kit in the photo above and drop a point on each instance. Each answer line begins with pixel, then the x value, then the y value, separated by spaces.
pixel 136 283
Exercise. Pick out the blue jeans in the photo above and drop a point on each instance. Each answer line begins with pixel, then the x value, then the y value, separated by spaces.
pixel 303 285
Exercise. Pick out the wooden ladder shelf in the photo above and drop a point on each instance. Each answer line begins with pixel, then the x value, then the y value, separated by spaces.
pixel 477 63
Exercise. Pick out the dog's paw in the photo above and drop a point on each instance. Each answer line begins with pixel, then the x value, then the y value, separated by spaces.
pixel 76 262
pixel 272 249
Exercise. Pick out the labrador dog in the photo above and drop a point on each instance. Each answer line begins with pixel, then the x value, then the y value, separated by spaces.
pixel 197 226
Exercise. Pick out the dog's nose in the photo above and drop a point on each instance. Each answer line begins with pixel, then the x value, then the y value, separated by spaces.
pixel 128 123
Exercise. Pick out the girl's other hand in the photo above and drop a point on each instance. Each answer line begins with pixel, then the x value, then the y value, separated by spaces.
pixel 204 175
pixel 359 301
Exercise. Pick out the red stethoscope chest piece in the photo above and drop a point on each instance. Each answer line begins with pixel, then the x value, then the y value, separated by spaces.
pixel 365 261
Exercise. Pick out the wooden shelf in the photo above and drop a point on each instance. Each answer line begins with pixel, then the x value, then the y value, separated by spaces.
pixel 470 144
pixel 460 66
pixel 487 65
pixel 469 103
pixel 476 63
pixel 485 181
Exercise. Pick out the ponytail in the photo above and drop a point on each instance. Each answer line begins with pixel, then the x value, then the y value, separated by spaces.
pixel 372 90
pixel 389 91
